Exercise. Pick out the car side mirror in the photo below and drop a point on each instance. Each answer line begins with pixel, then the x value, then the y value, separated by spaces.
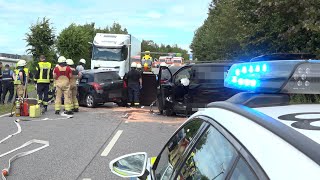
pixel 130 165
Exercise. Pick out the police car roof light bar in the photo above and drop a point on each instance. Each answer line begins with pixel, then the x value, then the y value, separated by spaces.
pixel 292 76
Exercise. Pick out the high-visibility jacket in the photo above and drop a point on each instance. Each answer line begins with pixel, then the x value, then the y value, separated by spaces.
pixel 43 74
pixel 17 80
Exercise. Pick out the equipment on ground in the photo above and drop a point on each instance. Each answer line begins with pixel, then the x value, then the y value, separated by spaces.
pixel 113 51
pixel 35 111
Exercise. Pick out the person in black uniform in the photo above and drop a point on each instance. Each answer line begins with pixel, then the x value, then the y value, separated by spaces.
pixel 8 86
pixel 0 78
pixel 134 85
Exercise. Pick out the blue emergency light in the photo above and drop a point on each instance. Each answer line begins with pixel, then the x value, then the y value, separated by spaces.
pixel 289 76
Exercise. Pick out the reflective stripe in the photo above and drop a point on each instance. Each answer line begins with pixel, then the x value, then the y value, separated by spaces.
pixel 44 75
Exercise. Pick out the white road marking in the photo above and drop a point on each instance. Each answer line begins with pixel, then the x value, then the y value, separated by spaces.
pixel 86 179
pixel 4 115
pixel 126 122
pixel 111 143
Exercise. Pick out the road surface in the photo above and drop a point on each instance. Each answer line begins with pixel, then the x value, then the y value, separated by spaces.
pixel 79 147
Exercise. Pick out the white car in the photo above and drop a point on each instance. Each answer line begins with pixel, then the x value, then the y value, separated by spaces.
pixel 257 134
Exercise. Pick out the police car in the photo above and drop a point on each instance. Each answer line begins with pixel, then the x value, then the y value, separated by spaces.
pixel 257 134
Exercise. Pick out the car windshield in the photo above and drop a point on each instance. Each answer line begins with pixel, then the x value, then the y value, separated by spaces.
pixel 165 74
pixel 162 60
pixel 106 77
pixel 177 61
pixel 106 54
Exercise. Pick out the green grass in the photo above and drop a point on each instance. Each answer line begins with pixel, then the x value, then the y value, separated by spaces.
pixel 5 108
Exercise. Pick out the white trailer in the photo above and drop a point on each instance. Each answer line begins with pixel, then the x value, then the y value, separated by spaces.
pixel 113 51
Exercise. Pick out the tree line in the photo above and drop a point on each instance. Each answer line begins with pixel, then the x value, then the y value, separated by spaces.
pixel 73 41
pixel 242 29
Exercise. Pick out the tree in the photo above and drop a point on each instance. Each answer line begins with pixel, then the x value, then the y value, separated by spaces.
pixel 40 40
pixel 242 29
pixel 73 42
pixel 149 45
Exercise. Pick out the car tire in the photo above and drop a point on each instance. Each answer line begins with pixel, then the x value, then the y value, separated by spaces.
pixel 121 103
pixel 168 112
pixel 90 101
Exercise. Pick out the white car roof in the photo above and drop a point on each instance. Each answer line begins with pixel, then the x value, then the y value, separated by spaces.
pixel 279 157
pixel 301 112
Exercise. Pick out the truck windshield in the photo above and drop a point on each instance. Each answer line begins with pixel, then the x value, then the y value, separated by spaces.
pixel 106 54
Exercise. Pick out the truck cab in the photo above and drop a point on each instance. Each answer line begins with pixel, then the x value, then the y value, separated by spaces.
pixel 112 52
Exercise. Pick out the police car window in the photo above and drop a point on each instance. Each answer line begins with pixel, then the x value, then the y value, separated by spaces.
pixel 212 158
pixel 185 73
pixel 175 148
pixel 243 172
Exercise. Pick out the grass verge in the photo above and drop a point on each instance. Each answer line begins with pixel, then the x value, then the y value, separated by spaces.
pixel 5 108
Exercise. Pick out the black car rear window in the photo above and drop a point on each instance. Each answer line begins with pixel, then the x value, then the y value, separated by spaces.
pixel 165 75
pixel 106 77
pixel 211 74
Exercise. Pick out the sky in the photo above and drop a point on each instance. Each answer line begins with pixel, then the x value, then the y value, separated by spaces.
pixel 164 21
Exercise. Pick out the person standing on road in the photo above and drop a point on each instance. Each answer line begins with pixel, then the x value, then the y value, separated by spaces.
pixel 134 85
pixel 139 68
pixel 7 81
pixel 73 85
pixel 0 78
pixel 81 65
pixel 20 79
pixel 62 75
pixel 43 77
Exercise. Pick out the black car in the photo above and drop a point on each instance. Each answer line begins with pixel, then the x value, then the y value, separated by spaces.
pixel 202 83
pixel 99 86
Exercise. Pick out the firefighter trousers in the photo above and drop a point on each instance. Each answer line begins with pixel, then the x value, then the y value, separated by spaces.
pixel 65 90
pixel 43 92
pixel 74 99
pixel 133 93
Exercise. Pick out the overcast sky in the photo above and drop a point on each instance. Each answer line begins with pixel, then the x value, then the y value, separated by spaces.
pixel 164 21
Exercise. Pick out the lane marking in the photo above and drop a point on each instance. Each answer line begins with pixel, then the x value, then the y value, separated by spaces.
pixel 126 122
pixel 4 115
pixel 111 143
pixel 86 179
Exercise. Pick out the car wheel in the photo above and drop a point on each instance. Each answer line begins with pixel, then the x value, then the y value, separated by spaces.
pixel 168 112
pixel 122 103
pixel 90 101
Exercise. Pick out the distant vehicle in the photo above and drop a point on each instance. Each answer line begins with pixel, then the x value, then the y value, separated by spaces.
pixel 100 86
pixel 192 87
pixel 113 51
pixel 177 61
pixel 136 59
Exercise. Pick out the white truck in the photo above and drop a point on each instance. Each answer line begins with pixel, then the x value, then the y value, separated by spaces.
pixel 113 51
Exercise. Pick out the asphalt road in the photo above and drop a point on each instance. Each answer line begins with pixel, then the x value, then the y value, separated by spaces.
pixel 76 144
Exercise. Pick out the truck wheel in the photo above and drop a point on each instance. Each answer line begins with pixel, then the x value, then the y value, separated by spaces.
pixel 91 101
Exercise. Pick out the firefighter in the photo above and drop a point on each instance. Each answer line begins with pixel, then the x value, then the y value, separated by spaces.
pixel 73 85
pixel 139 68
pixel 81 65
pixel 134 85
pixel 7 81
pixel 20 79
pixel 147 61
pixel 62 75
pixel 43 77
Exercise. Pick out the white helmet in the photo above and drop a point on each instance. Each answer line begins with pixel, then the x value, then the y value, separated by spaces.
pixel 83 61
pixel 134 65
pixel 139 66
pixel 163 64
pixel 70 62
pixel 22 63
pixel 62 59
